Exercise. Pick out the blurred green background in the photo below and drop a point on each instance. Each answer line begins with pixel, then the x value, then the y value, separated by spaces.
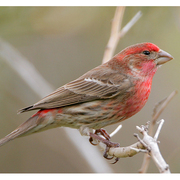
pixel 63 43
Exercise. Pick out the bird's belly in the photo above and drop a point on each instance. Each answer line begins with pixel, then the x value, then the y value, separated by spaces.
pixel 100 113
pixel 95 114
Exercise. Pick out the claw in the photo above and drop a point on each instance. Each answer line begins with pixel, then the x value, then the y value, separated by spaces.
pixel 102 132
pixel 108 158
pixel 91 141
pixel 106 141
pixel 116 160
pixel 105 154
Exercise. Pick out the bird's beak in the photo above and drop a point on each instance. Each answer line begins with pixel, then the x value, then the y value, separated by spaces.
pixel 163 57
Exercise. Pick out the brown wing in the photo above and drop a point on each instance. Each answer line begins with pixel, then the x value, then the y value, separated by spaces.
pixel 99 83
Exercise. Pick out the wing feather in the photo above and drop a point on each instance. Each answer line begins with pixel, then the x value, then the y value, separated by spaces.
pixel 99 83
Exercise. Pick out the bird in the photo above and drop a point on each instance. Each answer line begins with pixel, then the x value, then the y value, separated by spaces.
pixel 107 94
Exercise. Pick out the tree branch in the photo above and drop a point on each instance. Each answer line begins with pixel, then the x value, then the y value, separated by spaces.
pixel 153 149
pixel 148 145
pixel 116 33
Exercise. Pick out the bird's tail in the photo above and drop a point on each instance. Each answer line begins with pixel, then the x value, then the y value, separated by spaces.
pixel 22 130
pixel 40 121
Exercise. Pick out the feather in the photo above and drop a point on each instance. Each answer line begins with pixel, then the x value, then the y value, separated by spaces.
pixel 99 83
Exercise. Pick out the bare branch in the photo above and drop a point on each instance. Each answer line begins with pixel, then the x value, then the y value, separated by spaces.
pixel 115 28
pixel 128 26
pixel 161 122
pixel 153 149
pixel 159 107
pixel 148 145
pixel 123 152
pixel 116 34
pixel 115 131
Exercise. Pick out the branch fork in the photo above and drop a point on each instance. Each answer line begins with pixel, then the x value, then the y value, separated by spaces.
pixel 147 144
pixel 151 147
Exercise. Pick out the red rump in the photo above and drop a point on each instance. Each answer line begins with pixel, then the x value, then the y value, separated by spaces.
pixel 42 112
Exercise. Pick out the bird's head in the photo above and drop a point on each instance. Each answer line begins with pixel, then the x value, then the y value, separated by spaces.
pixel 143 58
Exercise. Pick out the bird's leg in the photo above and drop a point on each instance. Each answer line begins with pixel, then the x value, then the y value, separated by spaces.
pixel 106 141
pixel 102 132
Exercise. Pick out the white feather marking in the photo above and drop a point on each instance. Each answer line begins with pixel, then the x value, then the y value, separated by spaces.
pixel 98 82
pixel 94 80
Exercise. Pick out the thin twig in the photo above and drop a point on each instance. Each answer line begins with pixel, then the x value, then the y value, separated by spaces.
pixel 116 130
pixel 116 33
pixel 128 26
pixel 115 29
pixel 159 108
pixel 161 122
pixel 151 145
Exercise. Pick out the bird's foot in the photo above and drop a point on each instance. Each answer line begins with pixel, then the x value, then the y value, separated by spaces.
pixel 98 132
pixel 106 141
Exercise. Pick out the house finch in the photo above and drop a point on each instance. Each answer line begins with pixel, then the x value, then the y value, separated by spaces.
pixel 107 94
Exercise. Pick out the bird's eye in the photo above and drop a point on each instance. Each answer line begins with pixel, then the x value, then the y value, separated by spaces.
pixel 146 52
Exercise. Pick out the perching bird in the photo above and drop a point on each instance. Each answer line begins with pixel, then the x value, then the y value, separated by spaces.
pixel 107 94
